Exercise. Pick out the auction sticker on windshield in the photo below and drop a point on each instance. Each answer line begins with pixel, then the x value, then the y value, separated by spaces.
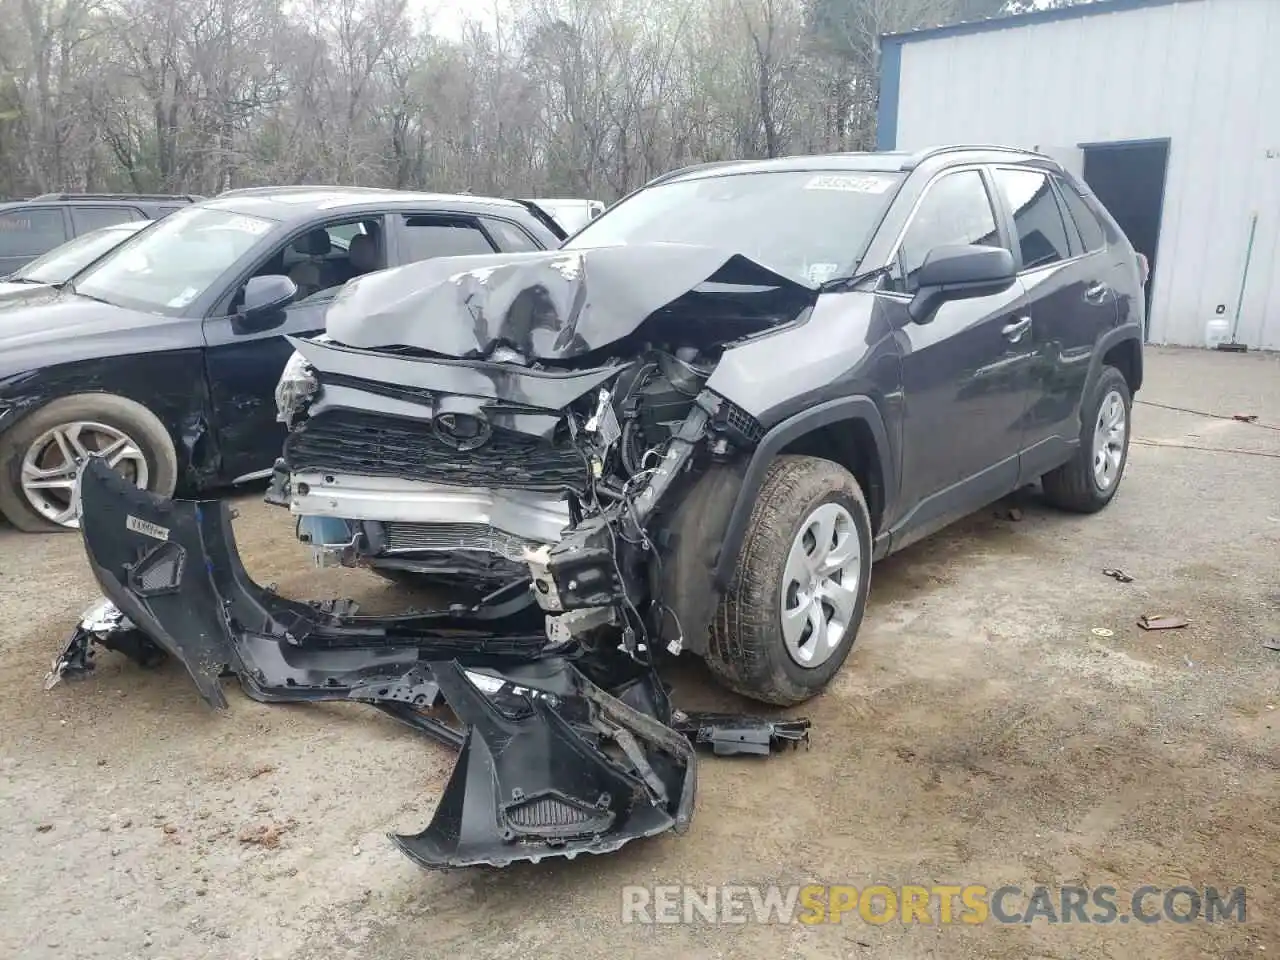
pixel 247 224
pixel 849 184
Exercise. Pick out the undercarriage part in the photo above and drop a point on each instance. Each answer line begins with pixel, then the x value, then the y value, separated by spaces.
pixel 729 734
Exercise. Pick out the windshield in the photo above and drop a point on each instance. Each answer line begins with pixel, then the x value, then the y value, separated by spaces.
pixel 62 263
pixel 802 224
pixel 167 267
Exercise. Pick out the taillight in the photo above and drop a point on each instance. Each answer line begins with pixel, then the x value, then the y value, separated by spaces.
pixel 1144 269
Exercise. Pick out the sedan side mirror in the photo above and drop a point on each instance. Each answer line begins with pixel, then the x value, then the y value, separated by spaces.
pixel 957 272
pixel 263 304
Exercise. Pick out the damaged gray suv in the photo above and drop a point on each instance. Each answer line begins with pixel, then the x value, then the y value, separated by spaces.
pixel 697 424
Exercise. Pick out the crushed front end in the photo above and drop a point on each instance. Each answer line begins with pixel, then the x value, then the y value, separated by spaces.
pixel 490 421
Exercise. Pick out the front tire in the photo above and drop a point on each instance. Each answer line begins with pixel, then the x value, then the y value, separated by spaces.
pixel 41 455
pixel 791 615
pixel 1087 482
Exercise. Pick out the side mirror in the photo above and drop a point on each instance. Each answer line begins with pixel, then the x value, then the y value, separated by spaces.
pixel 263 305
pixel 958 272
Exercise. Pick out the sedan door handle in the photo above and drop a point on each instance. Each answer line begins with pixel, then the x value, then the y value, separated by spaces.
pixel 1015 331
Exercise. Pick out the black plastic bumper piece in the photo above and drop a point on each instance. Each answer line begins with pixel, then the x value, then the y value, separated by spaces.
pixel 171 567
pixel 559 770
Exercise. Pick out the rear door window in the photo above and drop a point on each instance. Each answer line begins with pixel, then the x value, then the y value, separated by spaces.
pixel 509 237
pixel 955 210
pixel 1042 233
pixel 30 232
pixel 94 218
pixel 1091 233
pixel 424 237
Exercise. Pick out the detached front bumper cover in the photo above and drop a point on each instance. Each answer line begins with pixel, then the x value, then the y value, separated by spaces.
pixel 550 764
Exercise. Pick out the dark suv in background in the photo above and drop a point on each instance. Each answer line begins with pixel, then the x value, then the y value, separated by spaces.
pixel 29 228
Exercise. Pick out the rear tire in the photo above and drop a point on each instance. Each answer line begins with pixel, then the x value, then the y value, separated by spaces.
pixel 76 424
pixel 755 647
pixel 1088 481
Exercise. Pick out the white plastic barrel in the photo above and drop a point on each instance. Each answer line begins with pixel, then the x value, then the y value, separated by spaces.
pixel 1216 331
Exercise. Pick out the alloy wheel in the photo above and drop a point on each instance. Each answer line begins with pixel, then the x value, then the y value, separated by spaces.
pixel 53 461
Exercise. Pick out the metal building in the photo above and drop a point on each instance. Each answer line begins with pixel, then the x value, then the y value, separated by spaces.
pixel 1169 109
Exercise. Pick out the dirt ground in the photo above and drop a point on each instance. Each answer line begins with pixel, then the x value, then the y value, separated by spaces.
pixel 981 733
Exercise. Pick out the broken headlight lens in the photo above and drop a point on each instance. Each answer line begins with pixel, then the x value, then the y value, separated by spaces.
pixel 296 387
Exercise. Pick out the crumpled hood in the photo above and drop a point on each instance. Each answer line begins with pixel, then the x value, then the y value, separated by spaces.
pixel 553 305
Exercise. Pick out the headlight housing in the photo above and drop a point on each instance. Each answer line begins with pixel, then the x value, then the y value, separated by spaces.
pixel 295 389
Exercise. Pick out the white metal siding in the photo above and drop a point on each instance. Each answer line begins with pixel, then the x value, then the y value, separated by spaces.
pixel 1203 73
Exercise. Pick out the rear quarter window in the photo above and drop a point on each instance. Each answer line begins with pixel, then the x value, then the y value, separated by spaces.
pixel 31 232
pixel 1091 233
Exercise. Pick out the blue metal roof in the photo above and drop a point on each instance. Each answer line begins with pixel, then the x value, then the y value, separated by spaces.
pixel 1073 12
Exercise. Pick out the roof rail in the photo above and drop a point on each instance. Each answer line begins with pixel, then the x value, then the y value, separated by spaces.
pixel 191 197
pixel 928 153
pixel 305 188
pixel 709 165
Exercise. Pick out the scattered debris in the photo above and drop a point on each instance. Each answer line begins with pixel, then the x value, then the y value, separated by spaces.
pixel 44 828
pixel 1152 621
pixel 566 745
pixel 265 834
pixel 1102 632
pixel 1272 644
pixel 261 770
pixel 1245 417
pixel 1014 514
pixel 1118 575
pixel 170 828
pixel 728 734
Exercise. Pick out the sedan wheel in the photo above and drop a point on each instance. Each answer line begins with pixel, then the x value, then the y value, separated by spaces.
pixel 42 453
pixel 54 459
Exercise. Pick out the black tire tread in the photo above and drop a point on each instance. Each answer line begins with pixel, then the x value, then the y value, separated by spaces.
pixel 742 631
pixel 1070 487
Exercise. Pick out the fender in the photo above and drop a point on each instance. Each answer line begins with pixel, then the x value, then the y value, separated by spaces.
pixel 1110 339
pixel 833 411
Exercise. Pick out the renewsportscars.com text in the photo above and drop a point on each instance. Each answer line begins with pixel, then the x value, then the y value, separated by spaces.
pixel 933 904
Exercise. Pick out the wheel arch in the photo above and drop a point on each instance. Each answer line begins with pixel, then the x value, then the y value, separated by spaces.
pixel 1120 348
pixel 179 408
pixel 849 431
pixel 703 537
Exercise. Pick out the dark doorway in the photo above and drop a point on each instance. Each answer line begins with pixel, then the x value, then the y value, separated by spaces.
pixel 1128 177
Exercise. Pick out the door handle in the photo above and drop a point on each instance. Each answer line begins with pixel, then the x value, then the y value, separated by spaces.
pixel 1097 291
pixel 1015 331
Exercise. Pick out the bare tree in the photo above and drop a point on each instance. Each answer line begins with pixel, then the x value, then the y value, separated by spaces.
pixel 576 97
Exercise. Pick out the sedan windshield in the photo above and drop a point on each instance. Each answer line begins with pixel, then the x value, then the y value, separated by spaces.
pixel 806 225
pixel 164 269
pixel 62 263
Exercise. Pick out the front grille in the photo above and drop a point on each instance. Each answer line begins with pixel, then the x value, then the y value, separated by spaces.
pixel 378 445
pixel 450 537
